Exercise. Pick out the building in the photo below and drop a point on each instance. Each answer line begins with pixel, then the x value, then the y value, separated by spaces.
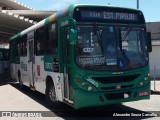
pixel 154 28
pixel 16 17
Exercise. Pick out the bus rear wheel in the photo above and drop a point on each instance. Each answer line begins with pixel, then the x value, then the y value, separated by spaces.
pixel 51 95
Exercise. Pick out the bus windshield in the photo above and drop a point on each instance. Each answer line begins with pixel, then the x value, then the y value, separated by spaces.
pixel 111 48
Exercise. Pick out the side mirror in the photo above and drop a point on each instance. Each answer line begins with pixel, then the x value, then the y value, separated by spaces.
pixel 149 42
pixel 73 36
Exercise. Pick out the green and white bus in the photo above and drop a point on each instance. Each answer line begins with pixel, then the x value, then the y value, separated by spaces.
pixel 67 56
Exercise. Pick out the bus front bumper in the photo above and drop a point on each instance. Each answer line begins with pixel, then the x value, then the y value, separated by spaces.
pixel 88 99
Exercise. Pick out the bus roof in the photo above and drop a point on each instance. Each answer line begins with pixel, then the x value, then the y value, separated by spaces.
pixel 57 15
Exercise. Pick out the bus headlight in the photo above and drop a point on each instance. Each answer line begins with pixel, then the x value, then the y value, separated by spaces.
pixel 143 82
pixel 89 88
pixel 83 84
pixel 146 78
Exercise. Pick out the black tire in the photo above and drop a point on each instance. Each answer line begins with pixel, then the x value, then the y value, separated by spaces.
pixel 51 95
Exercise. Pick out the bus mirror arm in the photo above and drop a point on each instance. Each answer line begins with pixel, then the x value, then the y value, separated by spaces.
pixel 73 36
pixel 149 42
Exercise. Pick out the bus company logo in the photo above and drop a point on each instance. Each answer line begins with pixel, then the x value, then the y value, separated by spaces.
pixel 118 87
pixel 24 67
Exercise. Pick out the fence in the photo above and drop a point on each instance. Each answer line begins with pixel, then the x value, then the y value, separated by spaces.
pixel 155 36
pixel 155 72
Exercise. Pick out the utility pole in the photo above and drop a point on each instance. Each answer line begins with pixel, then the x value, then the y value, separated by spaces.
pixel 137 4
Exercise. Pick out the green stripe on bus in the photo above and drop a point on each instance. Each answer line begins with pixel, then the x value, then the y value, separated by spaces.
pixel 47 20
pixel 16 36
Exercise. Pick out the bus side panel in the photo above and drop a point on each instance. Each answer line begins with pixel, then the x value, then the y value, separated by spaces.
pixel 12 71
pixel 51 69
pixel 39 74
pixel 17 68
pixel 58 83
pixel 24 71
pixel 60 87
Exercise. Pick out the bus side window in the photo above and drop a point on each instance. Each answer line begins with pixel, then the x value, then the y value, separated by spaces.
pixel 24 45
pixel 40 38
pixel 1 55
pixel 18 48
pixel 12 50
pixel 15 48
pixel 51 41
pixel 20 45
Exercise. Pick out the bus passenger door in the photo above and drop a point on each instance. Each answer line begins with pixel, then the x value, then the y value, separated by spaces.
pixel 66 64
pixel 30 39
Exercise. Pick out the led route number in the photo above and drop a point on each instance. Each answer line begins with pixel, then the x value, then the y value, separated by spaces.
pixel 119 16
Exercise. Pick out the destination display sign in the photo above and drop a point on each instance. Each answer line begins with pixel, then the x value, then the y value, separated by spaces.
pixel 107 15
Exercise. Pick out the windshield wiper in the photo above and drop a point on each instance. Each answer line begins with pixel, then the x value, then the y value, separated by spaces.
pixel 127 32
pixel 99 34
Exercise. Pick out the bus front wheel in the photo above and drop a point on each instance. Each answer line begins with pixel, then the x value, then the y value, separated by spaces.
pixel 51 95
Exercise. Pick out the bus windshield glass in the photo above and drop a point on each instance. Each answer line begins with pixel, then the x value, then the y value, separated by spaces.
pixel 111 48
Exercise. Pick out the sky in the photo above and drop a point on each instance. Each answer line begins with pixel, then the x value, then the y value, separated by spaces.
pixel 150 8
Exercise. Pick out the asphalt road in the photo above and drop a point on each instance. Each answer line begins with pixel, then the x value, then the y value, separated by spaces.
pixel 13 99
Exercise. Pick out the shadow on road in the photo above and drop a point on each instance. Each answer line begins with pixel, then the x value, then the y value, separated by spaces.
pixel 155 92
pixel 4 79
pixel 68 112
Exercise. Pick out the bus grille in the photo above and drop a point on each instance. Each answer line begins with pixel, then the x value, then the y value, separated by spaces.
pixel 116 79
pixel 114 88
